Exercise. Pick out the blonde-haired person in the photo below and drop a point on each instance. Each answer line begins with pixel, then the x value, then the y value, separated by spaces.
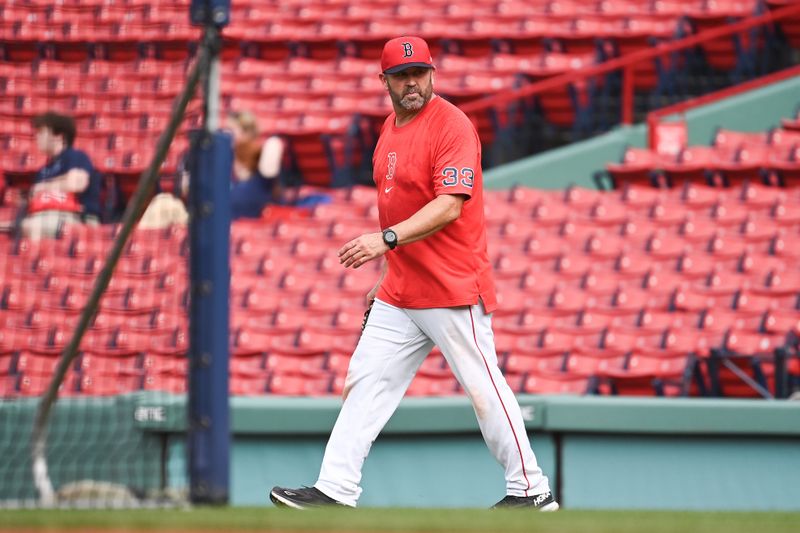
pixel 256 166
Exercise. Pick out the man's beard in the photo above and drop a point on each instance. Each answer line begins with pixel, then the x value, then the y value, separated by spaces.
pixel 413 103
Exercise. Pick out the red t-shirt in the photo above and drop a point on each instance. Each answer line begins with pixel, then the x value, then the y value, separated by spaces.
pixel 438 152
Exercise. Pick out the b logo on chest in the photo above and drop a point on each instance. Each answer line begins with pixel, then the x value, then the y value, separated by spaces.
pixel 392 165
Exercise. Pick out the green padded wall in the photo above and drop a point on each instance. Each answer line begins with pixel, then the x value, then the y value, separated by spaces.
pixel 89 438
pixel 604 452
pixel 666 472
pixel 607 452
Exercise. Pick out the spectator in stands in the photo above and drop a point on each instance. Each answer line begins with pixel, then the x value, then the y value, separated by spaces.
pixel 256 176
pixel 163 211
pixel 256 167
pixel 67 189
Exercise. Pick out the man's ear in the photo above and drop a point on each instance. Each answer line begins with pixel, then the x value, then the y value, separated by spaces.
pixel 385 83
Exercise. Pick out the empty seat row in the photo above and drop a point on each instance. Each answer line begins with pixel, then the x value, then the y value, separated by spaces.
pixel 733 157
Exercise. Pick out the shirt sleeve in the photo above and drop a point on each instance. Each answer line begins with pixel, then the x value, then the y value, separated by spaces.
pixel 78 159
pixel 456 161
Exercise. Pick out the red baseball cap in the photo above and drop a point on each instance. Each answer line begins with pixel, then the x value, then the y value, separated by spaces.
pixel 401 53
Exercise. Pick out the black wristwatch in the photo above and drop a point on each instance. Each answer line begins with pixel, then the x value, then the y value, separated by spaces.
pixel 390 238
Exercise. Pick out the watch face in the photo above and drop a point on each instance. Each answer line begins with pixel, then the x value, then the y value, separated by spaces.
pixel 391 236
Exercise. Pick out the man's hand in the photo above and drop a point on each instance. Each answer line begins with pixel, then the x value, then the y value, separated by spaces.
pixel 362 249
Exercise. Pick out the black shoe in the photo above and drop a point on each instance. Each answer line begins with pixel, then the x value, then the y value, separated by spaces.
pixel 544 502
pixel 304 498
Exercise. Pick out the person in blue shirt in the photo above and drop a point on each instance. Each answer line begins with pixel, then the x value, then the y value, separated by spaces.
pixel 255 176
pixel 67 189
pixel 256 167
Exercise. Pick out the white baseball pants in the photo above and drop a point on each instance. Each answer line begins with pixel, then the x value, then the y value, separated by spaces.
pixel 391 349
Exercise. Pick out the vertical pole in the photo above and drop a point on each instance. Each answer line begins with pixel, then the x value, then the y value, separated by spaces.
pixel 209 233
pixel 652 125
pixel 627 95
pixel 213 91
pixel 210 165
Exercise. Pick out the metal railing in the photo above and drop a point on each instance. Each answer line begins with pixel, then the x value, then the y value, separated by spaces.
pixel 628 65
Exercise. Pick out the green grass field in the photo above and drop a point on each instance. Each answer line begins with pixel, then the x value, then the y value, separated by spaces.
pixel 379 520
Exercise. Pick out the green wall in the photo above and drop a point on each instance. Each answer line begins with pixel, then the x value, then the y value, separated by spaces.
pixel 600 452
pixel 401 470
pixel 756 110
pixel 574 164
pixel 89 438
pixel 680 472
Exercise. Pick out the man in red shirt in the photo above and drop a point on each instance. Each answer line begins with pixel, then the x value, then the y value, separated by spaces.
pixel 436 288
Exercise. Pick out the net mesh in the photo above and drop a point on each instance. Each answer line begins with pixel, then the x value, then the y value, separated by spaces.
pixel 98 448
pixel 134 354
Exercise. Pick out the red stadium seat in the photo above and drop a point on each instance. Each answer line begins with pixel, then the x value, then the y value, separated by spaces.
pixel 338 363
pixel 521 364
pixel 588 364
pixel 691 165
pixel 248 385
pixel 553 383
pixel 781 322
pixel 247 365
pixel 435 365
pixel 317 340
pixel 90 384
pixel 732 140
pixel 488 33
pixel 111 366
pixel 282 385
pixel 35 363
pixel 423 385
pixel 721 320
pixel 654 374
pixel 566 338
pixel 312 365
pixel 249 341
pixel 745 365
pixel 37 385
pixel 533 31
pixel 165 383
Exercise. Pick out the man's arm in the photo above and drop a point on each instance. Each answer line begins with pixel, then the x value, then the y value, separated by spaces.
pixel 75 180
pixel 432 217
pixel 269 164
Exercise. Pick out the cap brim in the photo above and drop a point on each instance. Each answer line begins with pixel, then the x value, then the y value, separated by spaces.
pixel 400 68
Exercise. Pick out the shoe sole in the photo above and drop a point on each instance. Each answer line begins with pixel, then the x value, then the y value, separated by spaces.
pixel 550 507
pixel 280 501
